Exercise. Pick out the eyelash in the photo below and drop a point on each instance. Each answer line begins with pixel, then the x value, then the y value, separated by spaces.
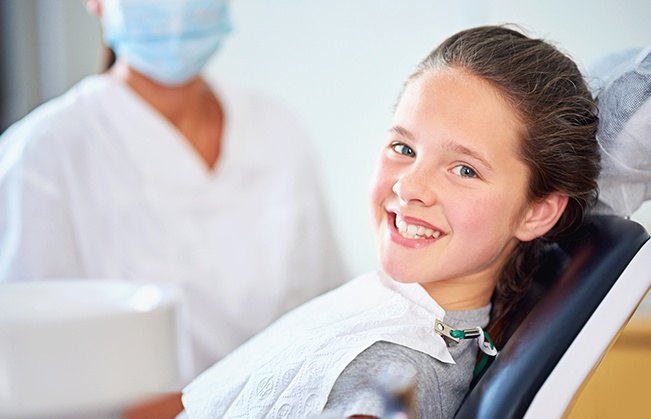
pixel 471 175
pixel 400 148
pixel 396 146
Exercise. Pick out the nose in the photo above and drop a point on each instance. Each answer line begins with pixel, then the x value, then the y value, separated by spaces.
pixel 415 188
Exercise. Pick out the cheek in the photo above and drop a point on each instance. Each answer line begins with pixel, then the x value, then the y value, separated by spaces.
pixel 484 213
pixel 499 223
pixel 380 189
pixel 466 217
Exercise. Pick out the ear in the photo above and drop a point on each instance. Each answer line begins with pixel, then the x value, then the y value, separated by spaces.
pixel 541 216
pixel 94 7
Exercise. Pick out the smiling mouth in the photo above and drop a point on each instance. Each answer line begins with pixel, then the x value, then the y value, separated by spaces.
pixel 414 231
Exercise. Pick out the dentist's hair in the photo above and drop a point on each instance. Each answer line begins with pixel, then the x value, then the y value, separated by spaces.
pixel 559 121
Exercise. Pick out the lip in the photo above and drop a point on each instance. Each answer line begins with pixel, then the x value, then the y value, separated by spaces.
pixel 415 221
pixel 397 238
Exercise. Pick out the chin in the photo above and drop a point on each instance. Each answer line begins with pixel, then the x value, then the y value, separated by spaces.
pixel 399 273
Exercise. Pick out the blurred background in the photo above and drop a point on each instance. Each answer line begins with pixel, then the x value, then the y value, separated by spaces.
pixel 339 64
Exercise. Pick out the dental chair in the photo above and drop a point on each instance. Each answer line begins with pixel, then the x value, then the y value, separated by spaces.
pixel 584 295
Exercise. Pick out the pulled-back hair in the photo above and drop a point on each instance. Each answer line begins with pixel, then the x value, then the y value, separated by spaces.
pixel 558 113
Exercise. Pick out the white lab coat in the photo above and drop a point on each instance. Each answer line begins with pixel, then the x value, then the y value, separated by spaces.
pixel 96 184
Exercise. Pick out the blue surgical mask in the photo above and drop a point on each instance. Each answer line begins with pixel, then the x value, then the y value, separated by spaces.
pixel 169 41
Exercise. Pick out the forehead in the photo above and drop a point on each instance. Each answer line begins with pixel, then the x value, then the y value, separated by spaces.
pixel 452 105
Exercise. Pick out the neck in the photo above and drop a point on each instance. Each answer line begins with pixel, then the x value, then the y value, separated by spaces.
pixel 192 108
pixel 173 102
pixel 474 290
pixel 469 292
pixel 460 295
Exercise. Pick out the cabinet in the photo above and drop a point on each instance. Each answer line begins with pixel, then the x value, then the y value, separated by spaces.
pixel 620 386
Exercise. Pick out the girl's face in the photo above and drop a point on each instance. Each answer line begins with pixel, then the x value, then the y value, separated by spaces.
pixel 449 194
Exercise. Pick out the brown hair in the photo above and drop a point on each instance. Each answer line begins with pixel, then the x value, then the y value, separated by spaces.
pixel 552 99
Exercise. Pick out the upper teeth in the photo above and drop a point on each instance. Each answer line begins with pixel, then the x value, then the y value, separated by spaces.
pixel 412 231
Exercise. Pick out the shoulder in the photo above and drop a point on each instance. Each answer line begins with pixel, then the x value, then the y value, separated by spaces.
pixel 57 119
pixel 437 387
pixel 365 386
pixel 42 140
pixel 397 361
pixel 271 119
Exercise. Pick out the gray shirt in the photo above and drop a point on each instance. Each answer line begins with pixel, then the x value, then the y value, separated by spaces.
pixel 438 388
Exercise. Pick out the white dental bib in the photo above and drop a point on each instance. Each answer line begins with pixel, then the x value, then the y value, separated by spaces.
pixel 288 370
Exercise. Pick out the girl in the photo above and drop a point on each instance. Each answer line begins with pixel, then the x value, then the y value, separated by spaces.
pixel 491 152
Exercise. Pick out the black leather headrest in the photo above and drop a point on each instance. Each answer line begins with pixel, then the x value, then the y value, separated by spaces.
pixel 576 276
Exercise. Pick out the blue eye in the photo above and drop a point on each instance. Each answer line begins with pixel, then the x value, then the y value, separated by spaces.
pixel 403 149
pixel 464 171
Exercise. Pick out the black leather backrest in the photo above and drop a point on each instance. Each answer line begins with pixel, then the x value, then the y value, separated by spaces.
pixel 590 263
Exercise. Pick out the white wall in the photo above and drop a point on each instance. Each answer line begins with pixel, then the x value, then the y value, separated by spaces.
pixel 340 64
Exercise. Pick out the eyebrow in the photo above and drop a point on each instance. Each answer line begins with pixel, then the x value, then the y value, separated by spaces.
pixel 397 129
pixel 458 148
pixel 449 145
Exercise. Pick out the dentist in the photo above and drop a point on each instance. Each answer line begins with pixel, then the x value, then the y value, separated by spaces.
pixel 151 172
